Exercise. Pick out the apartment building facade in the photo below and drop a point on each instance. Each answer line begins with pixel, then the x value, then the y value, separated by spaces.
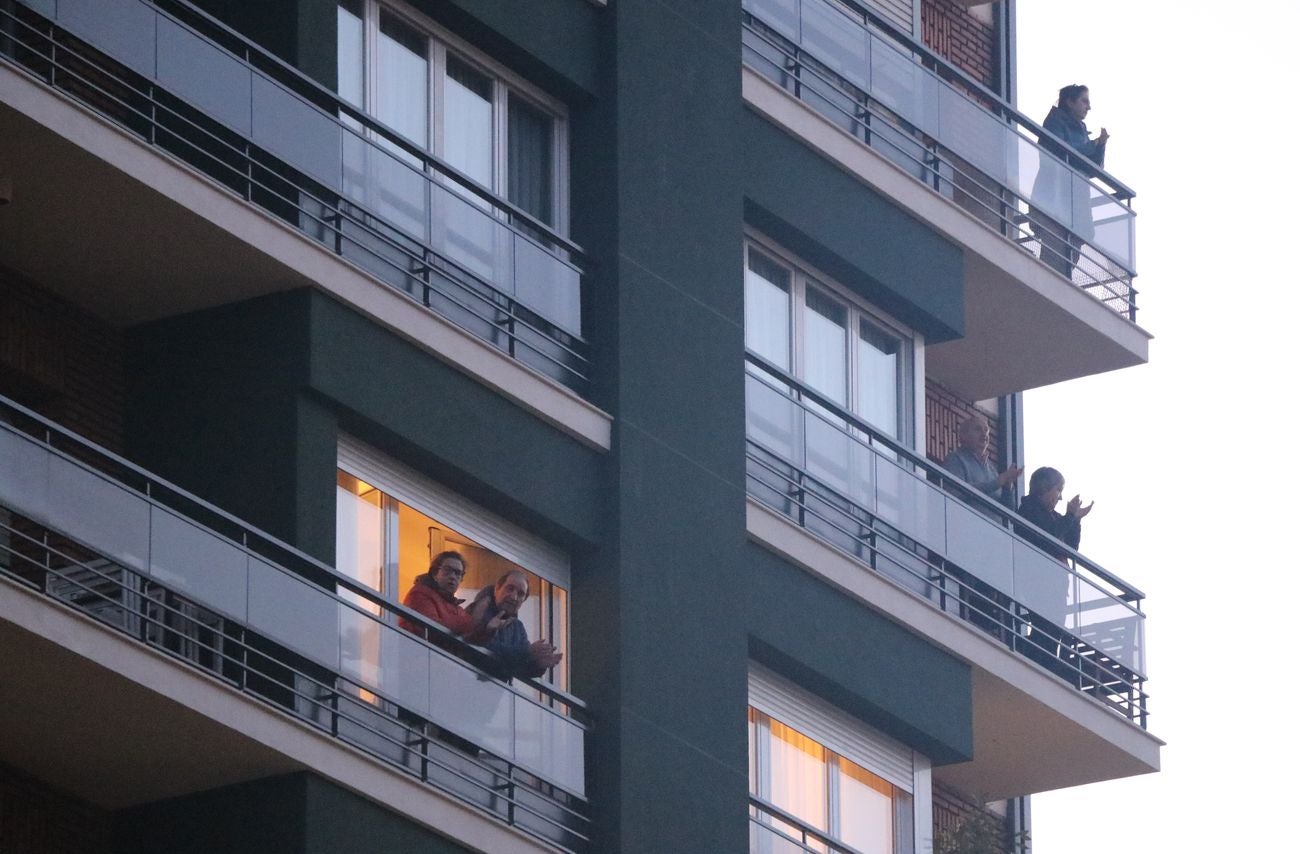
pixel 675 307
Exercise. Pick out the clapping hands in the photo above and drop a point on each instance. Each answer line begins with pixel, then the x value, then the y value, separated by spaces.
pixel 1076 509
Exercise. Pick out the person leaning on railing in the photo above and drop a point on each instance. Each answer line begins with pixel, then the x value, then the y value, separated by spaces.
pixel 519 657
pixel 1056 195
pixel 434 595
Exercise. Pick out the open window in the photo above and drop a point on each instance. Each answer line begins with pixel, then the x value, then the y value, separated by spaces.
pixel 391 522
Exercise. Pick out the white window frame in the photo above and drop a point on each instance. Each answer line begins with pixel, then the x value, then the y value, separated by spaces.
pixel 504 83
pixel 911 391
pixel 845 735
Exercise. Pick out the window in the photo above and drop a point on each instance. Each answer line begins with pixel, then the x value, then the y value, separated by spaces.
pixel 467 110
pixel 813 330
pixel 390 523
pixel 818 776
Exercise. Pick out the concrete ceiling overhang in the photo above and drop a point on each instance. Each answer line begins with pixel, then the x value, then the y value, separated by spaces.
pixel 1026 327
pixel 119 248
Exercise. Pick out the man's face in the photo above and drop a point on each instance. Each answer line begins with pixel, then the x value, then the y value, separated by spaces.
pixel 1080 106
pixel 448 573
pixel 974 436
pixel 510 594
pixel 1052 497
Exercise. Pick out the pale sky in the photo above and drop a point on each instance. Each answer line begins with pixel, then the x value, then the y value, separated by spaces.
pixel 1186 456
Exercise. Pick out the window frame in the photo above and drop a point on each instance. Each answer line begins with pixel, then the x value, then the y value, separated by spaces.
pixel 504 84
pixel 910 382
pixel 844 736
pixel 400 483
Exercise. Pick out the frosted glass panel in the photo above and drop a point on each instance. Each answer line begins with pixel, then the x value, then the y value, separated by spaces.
pixel 196 563
pixel 909 504
pixel 982 548
pixel 478 709
pixel 101 514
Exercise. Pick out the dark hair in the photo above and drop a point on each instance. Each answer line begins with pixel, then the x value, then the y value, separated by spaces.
pixel 438 559
pixel 1044 479
pixel 505 575
pixel 1070 93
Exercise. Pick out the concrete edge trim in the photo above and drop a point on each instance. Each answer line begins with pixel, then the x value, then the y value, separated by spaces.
pixel 335 761
pixel 538 395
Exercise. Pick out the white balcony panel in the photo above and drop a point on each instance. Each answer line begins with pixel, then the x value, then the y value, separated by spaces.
pixel 102 514
pixel 982 548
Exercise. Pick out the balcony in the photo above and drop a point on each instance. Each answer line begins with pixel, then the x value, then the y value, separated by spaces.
pixel 82 529
pixel 904 111
pixel 188 87
pixel 897 521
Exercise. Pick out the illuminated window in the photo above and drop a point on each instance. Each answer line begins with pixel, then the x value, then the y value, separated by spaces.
pixel 819 779
pixel 390 523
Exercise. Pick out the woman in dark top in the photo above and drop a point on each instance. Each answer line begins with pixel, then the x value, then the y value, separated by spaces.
pixel 1048 642
pixel 1039 507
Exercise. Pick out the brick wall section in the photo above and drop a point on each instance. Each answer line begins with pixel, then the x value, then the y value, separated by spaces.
pixel 35 819
pixel 951 808
pixel 951 31
pixel 944 412
pixel 61 361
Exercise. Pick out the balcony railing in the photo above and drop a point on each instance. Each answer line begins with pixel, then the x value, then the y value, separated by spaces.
pixel 184 82
pixel 952 134
pixel 774 831
pixel 94 532
pixel 927 530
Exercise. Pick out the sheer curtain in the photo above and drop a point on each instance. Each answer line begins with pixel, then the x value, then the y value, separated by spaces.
pixel 530 159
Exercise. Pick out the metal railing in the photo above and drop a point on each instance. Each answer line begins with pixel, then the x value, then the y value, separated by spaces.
pixel 952 134
pixel 86 528
pixel 896 512
pixel 772 830
pixel 185 83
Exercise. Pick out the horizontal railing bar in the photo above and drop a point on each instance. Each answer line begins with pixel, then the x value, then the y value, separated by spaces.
pixel 335 576
pixel 336 210
pixel 142 614
pixel 946 478
pixel 795 68
pixel 776 812
pixel 1004 107
pixel 320 91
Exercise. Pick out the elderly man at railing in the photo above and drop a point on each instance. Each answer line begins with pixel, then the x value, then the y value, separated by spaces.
pixel 970 461
pixel 518 656
pixel 1056 195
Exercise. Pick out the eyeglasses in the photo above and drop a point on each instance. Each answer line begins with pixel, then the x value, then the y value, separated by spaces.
pixel 451 570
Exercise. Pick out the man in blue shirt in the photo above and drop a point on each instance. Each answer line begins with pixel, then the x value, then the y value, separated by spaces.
pixel 970 461
pixel 519 657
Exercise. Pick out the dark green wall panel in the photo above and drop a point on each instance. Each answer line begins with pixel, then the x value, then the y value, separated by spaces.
pixel 554 43
pixel 857 659
pixel 837 223
pixel 453 428
pixel 293 814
